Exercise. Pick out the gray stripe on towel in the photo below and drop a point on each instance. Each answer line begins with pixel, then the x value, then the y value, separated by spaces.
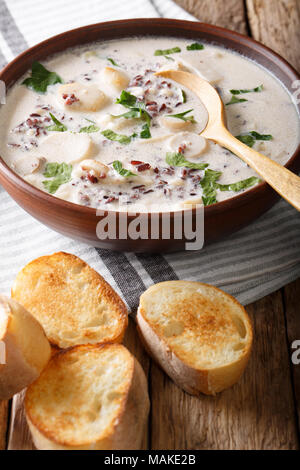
pixel 126 277
pixel 10 30
pixel 157 267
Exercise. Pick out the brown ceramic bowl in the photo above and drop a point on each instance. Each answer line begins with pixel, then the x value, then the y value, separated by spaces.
pixel 80 222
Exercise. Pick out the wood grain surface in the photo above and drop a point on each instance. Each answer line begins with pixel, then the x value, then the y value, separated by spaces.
pixel 291 301
pixel 228 14
pixel 263 410
pixel 276 23
pixel 3 423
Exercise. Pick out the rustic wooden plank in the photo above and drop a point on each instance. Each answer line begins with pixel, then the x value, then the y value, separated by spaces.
pixel 19 435
pixel 291 294
pixel 257 413
pixel 276 23
pixel 3 423
pixel 133 343
pixel 229 14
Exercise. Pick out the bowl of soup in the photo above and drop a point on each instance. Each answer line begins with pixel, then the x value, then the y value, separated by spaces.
pixel 89 130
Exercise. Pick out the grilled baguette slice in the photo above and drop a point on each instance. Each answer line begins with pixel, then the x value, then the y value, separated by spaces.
pixel 199 335
pixel 71 300
pixel 89 397
pixel 25 349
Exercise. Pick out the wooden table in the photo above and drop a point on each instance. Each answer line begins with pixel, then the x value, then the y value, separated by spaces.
pixel 263 410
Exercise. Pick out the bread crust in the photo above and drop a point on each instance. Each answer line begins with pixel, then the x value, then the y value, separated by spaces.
pixel 71 300
pixel 192 379
pixel 125 431
pixel 26 346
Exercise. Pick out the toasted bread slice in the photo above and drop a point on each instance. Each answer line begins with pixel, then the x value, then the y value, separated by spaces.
pixel 89 397
pixel 71 300
pixel 25 348
pixel 200 335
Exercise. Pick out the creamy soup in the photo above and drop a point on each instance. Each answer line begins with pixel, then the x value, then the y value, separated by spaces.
pixel 97 127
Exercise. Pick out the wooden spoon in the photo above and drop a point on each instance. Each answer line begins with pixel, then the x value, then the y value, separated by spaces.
pixel 286 183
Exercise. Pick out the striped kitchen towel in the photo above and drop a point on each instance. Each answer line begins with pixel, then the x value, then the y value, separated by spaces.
pixel 249 264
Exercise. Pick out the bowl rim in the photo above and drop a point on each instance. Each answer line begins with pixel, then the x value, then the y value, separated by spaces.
pixel 238 200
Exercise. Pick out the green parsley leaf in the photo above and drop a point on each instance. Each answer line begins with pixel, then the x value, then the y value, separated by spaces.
pixel 145 133
pixel 246 139
pixel 121 138
pixel 57 126
pixel 239 185
pixel 250 138
pixel 119 168
pixel 126 99
pixel 137 108
pixel 234 100
pixel 255 90
pixel 133 113
pixel 183 116
pixel 165 52
pixel 113 62
pixel 41 78
pixel 196 46
pixel 208 200
pixel 89 129
pixel 60 174
pixel 208 184
pixel 178 159
pixel 52 169
pixel 258 136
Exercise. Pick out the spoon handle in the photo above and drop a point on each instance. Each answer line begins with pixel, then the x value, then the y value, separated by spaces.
pixel 286 183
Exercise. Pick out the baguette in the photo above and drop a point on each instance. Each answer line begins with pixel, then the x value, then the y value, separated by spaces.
pixel 71 300
pixel 89 397
pixel 26 348
pixel 199 335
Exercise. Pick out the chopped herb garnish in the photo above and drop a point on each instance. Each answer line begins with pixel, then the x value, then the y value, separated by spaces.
pixel 145 133
pixel 239 185
pixel 183 116
pixel 234 100
pixel 178 159
pixel 255 90
pixel 41 78
pixel 196 46
pixel 126 99
pixel 208 184
pixel 121 138
pixel 60 174
pixel 112 62
pixel 246 139
pixel 119 168
pixel 137 108
pixel 57 126
pixel 166 52
pixel 90 129
pixel 258 136
pixel 183 94
pixel 133 113
pixel 250 138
